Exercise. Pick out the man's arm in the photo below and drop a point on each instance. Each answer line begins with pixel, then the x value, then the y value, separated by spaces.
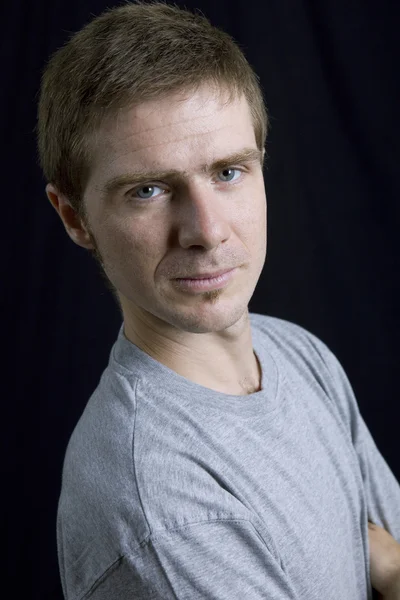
pixel 382 490
pixel 384 562
pixel 220 560
pixel 394 592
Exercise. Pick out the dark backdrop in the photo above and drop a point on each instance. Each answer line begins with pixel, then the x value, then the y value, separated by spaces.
pixel 329 71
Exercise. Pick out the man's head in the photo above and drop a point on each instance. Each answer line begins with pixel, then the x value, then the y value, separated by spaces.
pixel 151 87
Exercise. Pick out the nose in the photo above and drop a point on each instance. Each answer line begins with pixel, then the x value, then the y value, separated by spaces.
pixel 203 216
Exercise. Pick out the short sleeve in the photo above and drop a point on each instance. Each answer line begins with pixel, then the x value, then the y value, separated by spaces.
pixel 216 560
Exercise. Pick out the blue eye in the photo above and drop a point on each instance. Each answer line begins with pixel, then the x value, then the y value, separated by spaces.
pixel 148 191
pixel 227 170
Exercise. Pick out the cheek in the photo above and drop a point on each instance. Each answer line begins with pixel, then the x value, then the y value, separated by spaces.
pixel 129 249
pixel 254 215
pixel 255 228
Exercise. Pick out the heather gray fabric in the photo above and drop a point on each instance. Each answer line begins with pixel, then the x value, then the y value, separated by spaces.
pixel 171 490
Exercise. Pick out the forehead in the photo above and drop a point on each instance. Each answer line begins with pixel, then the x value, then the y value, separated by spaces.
pixel 179 127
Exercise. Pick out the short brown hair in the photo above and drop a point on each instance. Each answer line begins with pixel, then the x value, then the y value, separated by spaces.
pixel 129 54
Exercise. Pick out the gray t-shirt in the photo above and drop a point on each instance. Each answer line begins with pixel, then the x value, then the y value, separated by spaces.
pixel 171 490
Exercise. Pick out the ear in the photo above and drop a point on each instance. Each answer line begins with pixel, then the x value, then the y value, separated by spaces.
pixel 72 222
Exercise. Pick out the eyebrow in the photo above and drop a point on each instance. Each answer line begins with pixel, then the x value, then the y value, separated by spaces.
pixel 114 184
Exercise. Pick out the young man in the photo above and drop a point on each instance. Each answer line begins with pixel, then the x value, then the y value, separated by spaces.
pixel 223 454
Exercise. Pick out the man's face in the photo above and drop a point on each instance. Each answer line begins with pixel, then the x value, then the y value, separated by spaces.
pixel 201 219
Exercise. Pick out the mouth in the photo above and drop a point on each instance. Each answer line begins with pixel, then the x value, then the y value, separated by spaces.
pixel 202 284
pixel 207 275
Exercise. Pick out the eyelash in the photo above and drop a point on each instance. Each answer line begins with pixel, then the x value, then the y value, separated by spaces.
pixel 131 192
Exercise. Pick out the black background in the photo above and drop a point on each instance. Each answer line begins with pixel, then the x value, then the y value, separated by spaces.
pixel 330 74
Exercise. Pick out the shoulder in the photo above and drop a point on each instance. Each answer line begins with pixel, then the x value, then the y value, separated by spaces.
pixel 109 412
pixel 99 485
pixel 292 339
pixel 306 360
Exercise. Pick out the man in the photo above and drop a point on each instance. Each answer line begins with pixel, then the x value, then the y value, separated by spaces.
pixel 222 454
